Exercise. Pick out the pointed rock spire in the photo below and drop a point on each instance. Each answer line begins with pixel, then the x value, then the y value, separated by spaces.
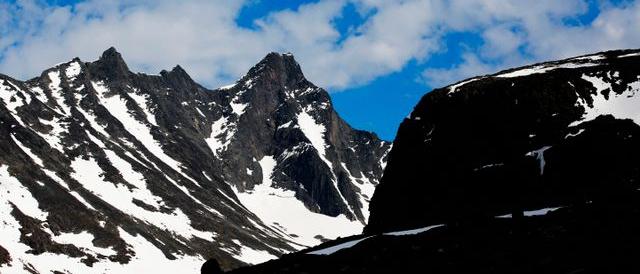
pixel 282 68
pixel 176 73
pixel 112 64
pixel 179 77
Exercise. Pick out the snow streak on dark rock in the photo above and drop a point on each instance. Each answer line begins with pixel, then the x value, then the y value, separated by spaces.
pixel 105 169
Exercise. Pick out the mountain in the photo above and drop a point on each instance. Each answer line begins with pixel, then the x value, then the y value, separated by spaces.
pixel 107 170
pixel 529 170
pixel 545 135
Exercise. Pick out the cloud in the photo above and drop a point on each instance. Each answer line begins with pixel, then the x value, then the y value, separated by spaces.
pixel 203 36
pixel 153 35
pixel 471 66
pixel 513 35
pixel 394 35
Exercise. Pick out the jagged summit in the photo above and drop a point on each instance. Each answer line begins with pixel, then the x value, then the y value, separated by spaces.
pixel 111 56
pixel 179 70
pixel 278 68
pixel 180 79
pixel 112 65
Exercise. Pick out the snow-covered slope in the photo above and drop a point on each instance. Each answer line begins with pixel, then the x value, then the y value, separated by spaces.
pixel 107 171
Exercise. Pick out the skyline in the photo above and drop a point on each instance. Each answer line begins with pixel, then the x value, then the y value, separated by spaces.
pixel 375 64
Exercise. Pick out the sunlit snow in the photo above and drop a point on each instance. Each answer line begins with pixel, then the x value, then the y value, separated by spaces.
pixel 621 106
pixel 315 133
pixel 276 205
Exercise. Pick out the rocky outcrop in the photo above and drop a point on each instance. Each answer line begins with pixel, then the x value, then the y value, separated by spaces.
pixel 5 257
pixel 552 134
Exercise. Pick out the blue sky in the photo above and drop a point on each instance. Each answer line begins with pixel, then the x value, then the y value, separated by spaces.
pixel 376 58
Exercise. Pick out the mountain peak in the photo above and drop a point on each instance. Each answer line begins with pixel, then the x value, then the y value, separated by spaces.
pixel 178 69
pixel 280 67
pixel 112 63
pixel 178 76
pixel 111 55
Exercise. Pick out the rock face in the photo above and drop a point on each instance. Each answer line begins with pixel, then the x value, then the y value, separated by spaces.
pixel 103 169
pixel 530 170
pixel 553 134
pixel 278 116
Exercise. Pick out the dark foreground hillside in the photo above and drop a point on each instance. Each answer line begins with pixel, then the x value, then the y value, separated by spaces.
pixel 593 238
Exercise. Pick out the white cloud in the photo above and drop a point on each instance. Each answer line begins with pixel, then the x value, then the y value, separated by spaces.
pixel 515 35
pixel 470 66
pixel 204 38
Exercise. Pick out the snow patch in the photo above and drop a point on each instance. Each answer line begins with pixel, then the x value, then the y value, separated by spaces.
pixel 9 95
pixel 117 106
pixel 227 87
pixel 543 69
pixel 596 57
pixel 200 112
pixel 315 131
pixel 93 121
pixel 539 154
pixel 621 106
pixel 569 135
pixel 280 209
pixel 252 256
pixel 221 134
pixel 89 174
pixel 453 88
pixel 28 151
pixel 366 188
pixel 238 108
pixel 73 70
pixel 39 93
pixel 56 91
pixel 285 125
pixel 413 231
pixel 530 213
pixel 12 191
pixel 206 176
pixel 489 166
pixel 629 55
pixel 143 101
pixel 53 136
pixel 62 183
pixel 336 248
pixel 82 240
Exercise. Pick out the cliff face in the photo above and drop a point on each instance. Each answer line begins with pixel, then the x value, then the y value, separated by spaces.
pixel 552 134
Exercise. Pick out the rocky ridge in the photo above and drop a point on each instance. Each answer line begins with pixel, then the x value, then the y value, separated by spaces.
pixel 103 169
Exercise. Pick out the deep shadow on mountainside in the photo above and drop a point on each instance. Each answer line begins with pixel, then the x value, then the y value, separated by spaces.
pixel 530 170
